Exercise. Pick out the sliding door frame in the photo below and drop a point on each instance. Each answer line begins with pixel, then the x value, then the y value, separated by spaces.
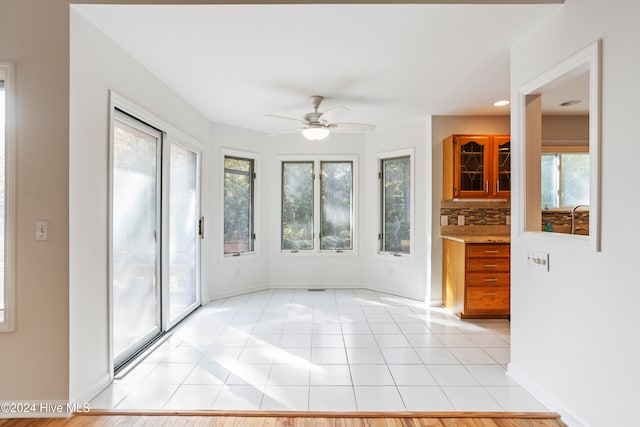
pixel 170 135
pixel 151 334
pixel 172 139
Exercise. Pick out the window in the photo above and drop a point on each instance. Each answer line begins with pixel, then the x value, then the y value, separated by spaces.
pixel 395 196
pixel 239 178
pixel 336 196
pixel 7 157
pixel 297 206
pixel 325 204
pixel 565 179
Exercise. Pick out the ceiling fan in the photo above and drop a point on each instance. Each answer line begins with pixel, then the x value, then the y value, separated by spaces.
pixel 318 125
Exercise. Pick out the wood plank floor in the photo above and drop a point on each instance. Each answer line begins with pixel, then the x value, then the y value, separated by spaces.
pixel 307 420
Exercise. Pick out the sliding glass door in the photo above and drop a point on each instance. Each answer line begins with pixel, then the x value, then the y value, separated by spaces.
pixel 155 234
pixel 183 244
pixel 136 229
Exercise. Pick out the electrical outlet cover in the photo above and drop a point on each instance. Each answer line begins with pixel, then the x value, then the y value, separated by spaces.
pixel 538 260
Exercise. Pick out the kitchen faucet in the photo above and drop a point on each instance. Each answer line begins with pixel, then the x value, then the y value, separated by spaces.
pixel 573 217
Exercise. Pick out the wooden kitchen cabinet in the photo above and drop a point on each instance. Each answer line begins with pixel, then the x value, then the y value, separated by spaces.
pixel 477 166
pixel 476 278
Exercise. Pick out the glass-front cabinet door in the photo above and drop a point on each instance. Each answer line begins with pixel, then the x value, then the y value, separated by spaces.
pixel 472 166
pixel 502 162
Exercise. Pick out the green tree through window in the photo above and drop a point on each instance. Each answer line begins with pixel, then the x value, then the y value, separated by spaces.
pixel 565 179
pixel 336 193
pixel 238 205
pixel 297 206
pixel 396 204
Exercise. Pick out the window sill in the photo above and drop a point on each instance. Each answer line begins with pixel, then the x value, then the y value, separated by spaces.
pixel 388 256
pixel 240 256
pixel 319 254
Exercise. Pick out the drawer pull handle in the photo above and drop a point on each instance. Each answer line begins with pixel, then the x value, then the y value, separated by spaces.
pixel 490 252
pixel 491 265
pixel 490 280
pixel 490 294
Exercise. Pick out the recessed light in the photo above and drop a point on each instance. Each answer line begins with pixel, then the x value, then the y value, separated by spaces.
pixel 570 103
pixel 501 103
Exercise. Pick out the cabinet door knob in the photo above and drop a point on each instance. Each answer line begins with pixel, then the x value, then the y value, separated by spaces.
pixel 490 294
pixel 490 280
pixel 491 252
pixel 490 265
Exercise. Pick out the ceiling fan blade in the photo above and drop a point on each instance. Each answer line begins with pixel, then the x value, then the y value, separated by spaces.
pixel 304 122
pixel 352 127
pixel 329 116
pixel 284 132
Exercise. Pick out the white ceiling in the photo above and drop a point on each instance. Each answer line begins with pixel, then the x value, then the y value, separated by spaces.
pixel 391 64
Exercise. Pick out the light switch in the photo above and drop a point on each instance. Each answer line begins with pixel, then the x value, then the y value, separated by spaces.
pixel 42 230
pixel 460 219
pixel 444 220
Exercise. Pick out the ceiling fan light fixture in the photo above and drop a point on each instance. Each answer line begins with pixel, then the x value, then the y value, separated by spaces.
pixel 315 133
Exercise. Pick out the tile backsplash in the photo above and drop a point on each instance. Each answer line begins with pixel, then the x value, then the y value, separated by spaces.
pixel 476 212
pixel 560 221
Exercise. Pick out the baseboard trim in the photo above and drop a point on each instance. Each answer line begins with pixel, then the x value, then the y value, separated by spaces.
pixel 545 398
pixel 435 303
pixel 311 285
pixel 235 292
pixel 92 389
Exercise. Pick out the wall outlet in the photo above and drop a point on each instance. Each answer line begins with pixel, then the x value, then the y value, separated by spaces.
pixel 42 230
pixel 460 219
pixel 508 219
pixel 444 220
pixel 538 260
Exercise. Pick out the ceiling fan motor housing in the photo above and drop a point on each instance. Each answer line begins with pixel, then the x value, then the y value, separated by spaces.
pixel 312 117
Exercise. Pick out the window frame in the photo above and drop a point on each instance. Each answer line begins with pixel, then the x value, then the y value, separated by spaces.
pixel 390 155
pixel 558 151
pixel 252 217
pixel 321 210
pixel 7 74
pixel 526 121
pixel 255 203
pixel 317 160
pixel 314 227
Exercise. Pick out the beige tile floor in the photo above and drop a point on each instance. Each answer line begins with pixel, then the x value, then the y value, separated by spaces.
pixel 337 350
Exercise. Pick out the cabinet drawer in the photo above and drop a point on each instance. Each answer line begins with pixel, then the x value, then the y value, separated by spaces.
pixel 487 299
pixel 488 279
pixel 488 250
pixel 488 264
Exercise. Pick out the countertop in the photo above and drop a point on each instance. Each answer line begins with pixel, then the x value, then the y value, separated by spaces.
pixel 477 234
pixel 478 238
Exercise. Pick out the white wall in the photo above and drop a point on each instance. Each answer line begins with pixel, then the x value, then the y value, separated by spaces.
pixel 574 328
pixel 406 275
pixel 234 275
pixel 97 66
pixel 35 356
pixel 442 127
pixel 302 270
